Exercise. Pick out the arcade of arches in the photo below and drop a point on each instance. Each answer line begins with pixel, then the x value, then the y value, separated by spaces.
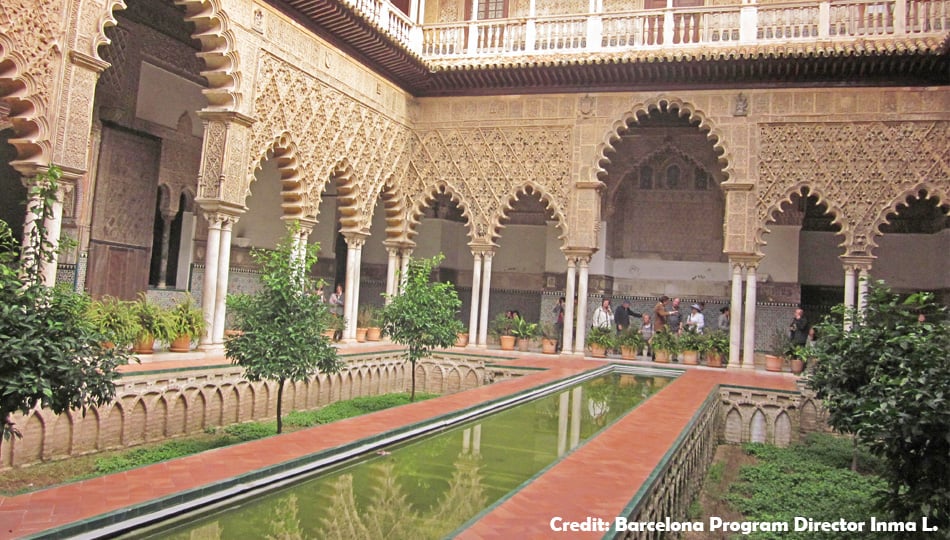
pixel 189 134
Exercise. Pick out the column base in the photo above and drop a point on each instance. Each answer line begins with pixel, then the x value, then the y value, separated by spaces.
pixel 211 348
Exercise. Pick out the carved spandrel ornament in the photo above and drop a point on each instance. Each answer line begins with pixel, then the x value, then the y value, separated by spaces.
pixel 741 106
pixel 586 106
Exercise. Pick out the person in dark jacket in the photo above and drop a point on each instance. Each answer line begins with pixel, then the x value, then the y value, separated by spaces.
pixel 622 316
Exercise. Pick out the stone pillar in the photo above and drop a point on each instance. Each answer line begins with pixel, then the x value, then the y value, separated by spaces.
pixel 863 288
pixel 473 314
pixel 581 335
pixel 209 287
pixel 391 262
pixel 484 301
pixel 567 340
pixel 735 313
pixel 748 349
pixel 404 268
pixel 53 226
pixel 221 289
pixel 354 245
pixel 166 239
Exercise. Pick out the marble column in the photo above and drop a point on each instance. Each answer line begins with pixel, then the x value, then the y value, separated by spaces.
pixel 735 314
pixel 567 340
pixel 392 261
pixel 483 302
pixel 53 226
pixel 209 287
pixel 473 314
pixel 404 268
pixel 863 276
pixel 748 348
pixel 221 289
pixel 581 334
pixel 849 282
pixel 354 244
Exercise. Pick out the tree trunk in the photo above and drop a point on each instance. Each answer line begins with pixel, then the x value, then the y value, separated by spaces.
pixel 280 400
pixel 412 394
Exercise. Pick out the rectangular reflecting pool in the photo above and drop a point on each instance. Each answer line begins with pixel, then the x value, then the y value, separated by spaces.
pixel 430 486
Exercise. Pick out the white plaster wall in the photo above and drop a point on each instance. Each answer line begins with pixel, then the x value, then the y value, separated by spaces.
pixel 655 277
pixel 554 260
pixel 262 224
pixel 522 249
pixel 913 261
pixel 374 252
pixel 447 237
pixel 164 96
pixel 781 251
pixel 818 263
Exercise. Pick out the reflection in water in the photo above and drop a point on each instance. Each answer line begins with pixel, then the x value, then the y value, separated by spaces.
pixel 429 487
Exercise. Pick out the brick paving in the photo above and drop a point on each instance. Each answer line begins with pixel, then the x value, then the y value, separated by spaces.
pixel 597 480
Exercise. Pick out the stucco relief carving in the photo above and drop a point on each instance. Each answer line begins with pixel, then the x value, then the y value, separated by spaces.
pixel 336 137
pixel 862 170
pixel 218 50
pixel 27 31
pixel 486 168
pixel 209 177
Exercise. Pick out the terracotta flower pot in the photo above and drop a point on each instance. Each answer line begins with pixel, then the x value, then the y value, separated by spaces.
pixel 774 363
pixel 145 345
pixel 598 351
pixel 549 346
pixel 797 365
pixel 662 357
pixel 714 360
pixel 330 334
pixel 691 357
pixel 628 353
pixel 523 344
pixel 181 344
pixel 461 339
pixel 374 333
pixel 361 334
pixel 507 343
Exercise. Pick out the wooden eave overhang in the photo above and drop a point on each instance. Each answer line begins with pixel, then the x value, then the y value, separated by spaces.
pixel 880 61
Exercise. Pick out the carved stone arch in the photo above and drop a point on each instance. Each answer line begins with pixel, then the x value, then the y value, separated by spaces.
pixel 515 194
pixel 660 104
pixel 800 188
pixel 218 50
pixel 923 190
pixel 395 204
pixel 26 97
pixel 758 426
pixel 165 199
pixel 418 207
pixel 283 150
pixel 105 20
pixel 346 182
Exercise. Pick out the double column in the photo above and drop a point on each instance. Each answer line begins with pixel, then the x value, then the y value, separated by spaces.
pixel 214 292
pixel 398 260
pixel 52 222
pixel 351 289
pixel 481 291
pixel 578 271
pixel 742 323
pixel 857 270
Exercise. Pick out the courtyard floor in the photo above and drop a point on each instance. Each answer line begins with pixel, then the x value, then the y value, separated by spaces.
pixel 598 479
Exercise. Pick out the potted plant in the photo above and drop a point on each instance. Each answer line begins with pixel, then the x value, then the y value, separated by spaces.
pixel 502 327
pixel 690 341
pixel 335 326
pixel 548 338
pixel 716 349
pixel 665 343
pixel 631 342
pixel 187 322
pixel 524 331
pixel 114 320
pixel 155 324
pixel 374 331
pixel 797 358
pixel 600 340
pixel 364 318
pixel 780 345
pixel 461 339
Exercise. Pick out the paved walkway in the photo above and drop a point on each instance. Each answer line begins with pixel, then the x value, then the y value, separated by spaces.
pixel 601 477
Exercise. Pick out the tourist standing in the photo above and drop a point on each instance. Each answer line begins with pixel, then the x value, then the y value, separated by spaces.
pixel 603 315
pixel 696 321
pixel 725 318
pixel 674 319
pixel 622 316
pixel 646 330
pixel 559 321
pixel 798 330
pixel 336 301
pixel 660 313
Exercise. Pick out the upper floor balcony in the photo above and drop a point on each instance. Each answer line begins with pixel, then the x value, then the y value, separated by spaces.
pixel 821 30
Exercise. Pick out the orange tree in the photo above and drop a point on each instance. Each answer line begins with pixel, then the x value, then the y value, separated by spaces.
pixel 886 380
pixel 423 316
pixel 281 326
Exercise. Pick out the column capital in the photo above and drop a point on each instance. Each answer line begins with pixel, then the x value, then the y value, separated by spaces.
pixel 578 254
pixel 857 263
pixel 355 239
pixel 745 260
pixel 220 212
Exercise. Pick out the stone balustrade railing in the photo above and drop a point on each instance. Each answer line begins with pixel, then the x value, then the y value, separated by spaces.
pixel 746 24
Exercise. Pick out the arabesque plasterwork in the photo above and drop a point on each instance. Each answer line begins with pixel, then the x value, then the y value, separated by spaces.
pixel 861 170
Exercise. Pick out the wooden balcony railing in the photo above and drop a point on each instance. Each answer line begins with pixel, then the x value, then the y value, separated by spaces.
pixel 747 24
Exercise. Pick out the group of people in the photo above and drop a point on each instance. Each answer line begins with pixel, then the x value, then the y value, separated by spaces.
pixel 335 300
